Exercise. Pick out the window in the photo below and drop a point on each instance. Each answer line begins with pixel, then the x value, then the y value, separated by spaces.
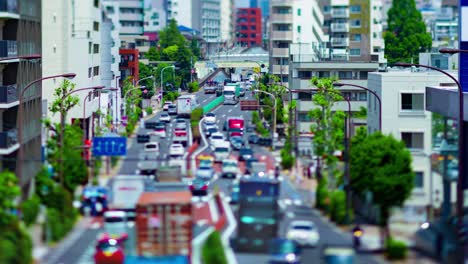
pixel 304 96
pixel 96 48
pixel 253 27
pixel 305 74
pixel 363 75
pixel 304 117
pixel 96 71
pixel 355 23
pixel 155 23
pixel 412 102
pixel 356 37
pixel 326 9
pixel 419 179
pixel 343 75
pixel 299 12
pixel 355 9
pixel 110 9
pixel 362 96
pixel 90 72
pixel 96 3
pixel 96 26
pixel 298 29
pixel 90 47
pixel 413 140
pixel 324 74
pixel 355 52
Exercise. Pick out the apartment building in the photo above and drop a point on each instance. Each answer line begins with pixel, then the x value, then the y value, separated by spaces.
pixel 131 17
pixel 307 63
pixel 182 11
pixel 355 29
pixel 264 5
pixel 298 21
pixel 20 36
pixel 206 18
pixel 404 116
pixel 249 27
pixel 155 17
pixel 444 27
pixel 227 21
pixel 71 39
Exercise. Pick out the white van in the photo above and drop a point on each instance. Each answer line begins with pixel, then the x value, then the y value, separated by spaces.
pixel 222 151
pixel 115 222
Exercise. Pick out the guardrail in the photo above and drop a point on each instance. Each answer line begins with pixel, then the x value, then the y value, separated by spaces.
pixel 211 105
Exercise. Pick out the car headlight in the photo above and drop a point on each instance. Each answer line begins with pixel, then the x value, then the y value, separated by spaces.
pixel 290 257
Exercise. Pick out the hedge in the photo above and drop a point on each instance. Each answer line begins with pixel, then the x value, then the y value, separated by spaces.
pixel 395 250
pixel 15 244
pixel 30 210
pixel 213 250
pixel 337 207
pixel 149 110
pixel 322 195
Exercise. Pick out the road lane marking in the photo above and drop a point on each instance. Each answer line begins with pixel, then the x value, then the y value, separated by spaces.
pixel 230 110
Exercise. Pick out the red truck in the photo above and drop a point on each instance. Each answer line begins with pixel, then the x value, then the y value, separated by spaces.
pixel 234 126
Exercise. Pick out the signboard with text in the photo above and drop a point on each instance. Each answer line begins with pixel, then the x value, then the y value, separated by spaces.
pixel 109 146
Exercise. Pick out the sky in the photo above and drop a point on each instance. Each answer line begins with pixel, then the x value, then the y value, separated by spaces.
pixel 242 3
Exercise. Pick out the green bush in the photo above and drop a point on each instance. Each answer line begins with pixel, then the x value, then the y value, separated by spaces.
pixel 44 184
pixel 149 110
pixel 30 209
pixel 114 161
pixel 213 250
pixel 15 244
pixel 395 250
pixel 287 160
pixel 337 207
pixel 255 117
pixel 59 223
pixel 196 114
pixel 195 130
pixel 193 87
pixel 322 195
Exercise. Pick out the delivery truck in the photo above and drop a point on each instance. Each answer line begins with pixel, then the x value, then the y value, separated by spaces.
pixel 186 104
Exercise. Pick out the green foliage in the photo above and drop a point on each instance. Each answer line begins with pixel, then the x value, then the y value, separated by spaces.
pixel 255 117
pixel 30 209
pixel 387 173
pixel 213 250
pixel 322 200
pixel 395 250
pixel 406 36
pixel 15 244
pixel 171 36
pixel 63 103
pixel 329 124
pixel 196 114
pixel 153 54
pixel 144 72
pixel 338 207
pixel 193 87
pixel 57 224
pixel 9 191
pixel 195 129
pixel 287 159
pixel 362 113
pixel 114 161
pixel 170 96
pixel 61 215
pixel 44 184
pixel 149 110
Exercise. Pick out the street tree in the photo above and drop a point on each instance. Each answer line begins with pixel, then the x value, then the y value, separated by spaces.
pixel 406 36
pixel 171 36
pixel 381 165
pixel 146 71
pixel 9 191
pixel 153 54
pixel 328 125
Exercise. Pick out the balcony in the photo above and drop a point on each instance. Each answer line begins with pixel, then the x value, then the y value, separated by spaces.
pixel 281 18
pixel 339 27
pixel 281 2
pixel 281 69
pixel 282 35
pixel 340 13
pixel 8 48
pixel 9 8
pixel 131 17
pixel 8 141
pixel 8 94
pixel 280 52
pixel 340 42
pixel 131 30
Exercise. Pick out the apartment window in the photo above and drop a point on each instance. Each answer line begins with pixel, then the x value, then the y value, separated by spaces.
pixel 96 48
pixel 252 20
pixel 356 37
pixel 326 9
pixel 110 9
pixel 418 179
pixel 413 140
pixel 305 74
pixel 355 23
pixel 299 12
pixel 96 26
pixel 298 29
pixel 355 52
pixel 96 3
pixel 90 47
pixel 304 117
pixel 412 102
pixel 374 35
pixel 324 74
pixel 90 72
pixel 363 75
pixel 362 96
pixel 155 23
pixel 355 9
pixel 96 71
pixel 283 27
pixel 343 75
pixel 303 96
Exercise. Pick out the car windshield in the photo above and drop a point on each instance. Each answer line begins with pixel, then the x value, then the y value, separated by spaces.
pixel 176 146
pixel 303 227
pixel 164 115
pixel 216 137
pixel 205 163
pixel 151 146
pixel 246 152
pixel 221 150
pixel 172 106
pixel 106 246
pixel 236 139
pixel 198 182
pixel 160 126
pixel 229 165
pixel 283 247
pixel 212 129
pixel 228 92
pixel 210 115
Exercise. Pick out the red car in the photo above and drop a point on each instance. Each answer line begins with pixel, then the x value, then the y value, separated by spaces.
pixel 110 250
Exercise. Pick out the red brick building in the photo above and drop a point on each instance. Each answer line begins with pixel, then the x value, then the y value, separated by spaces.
pixel 128 64
pixel 249 26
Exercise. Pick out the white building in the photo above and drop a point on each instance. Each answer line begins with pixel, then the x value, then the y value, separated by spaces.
pixel 181 11
pixel 155 16
pixel 71 42
pixel 227 21
pixel 131 17
pixel 404 116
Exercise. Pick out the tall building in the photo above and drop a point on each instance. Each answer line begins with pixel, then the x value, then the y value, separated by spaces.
pixel 355 29
pixel 71 32
pixel 21 36
pixel 227 21
pixel 155 16
pixel 249 27
pixel 291 21
pixel 264 5
pixel 206 18
pixel 182 11
pixel 131 17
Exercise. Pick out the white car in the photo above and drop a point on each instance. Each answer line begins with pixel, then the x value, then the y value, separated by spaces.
pixel 176 150
pixel 152 147
pixel 210 118
pixel 303 232
pixel 230 169
pixel 165 117
pixel 166 106
pixel 216 139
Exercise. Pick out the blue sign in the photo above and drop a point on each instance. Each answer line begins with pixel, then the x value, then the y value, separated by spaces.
pixel 109 146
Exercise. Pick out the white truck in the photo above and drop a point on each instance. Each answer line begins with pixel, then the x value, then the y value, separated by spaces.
pixel 126 190
pixel 230 96
pixel 222 151
pixel 186 104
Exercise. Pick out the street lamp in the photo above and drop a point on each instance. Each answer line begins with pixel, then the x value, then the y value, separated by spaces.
pixel 461 139
pixel 370 91
pixel 452 51
pixel 162 77
pixel 136 88
pixel 274 112
pixel 347 133
pixel 149 77
pixel 20 112
pixel 116 101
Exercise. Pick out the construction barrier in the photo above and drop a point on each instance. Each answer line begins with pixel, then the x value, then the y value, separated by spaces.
pixel 211 105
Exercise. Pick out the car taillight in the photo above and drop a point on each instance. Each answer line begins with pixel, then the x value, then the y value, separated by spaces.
pixel 191 187
pixel 204 188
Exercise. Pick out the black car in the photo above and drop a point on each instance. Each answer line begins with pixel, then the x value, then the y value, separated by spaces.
pixel 253 139
pixel 150 124
pixel 245 154
pixel 143 138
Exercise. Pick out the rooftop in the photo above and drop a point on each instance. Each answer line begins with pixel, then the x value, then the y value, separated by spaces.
pixel 156 198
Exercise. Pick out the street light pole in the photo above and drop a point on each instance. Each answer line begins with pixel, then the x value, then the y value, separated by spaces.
pixel 116 102
pixel 370 91
pixel 347 133
pixel 162 77
pixel 461 143
pixel 274 112
pixel 20 114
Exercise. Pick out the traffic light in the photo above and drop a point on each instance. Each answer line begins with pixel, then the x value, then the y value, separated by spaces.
pixel 87 150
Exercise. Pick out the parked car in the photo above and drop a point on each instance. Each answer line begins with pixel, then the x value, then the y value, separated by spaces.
pixel 284 251
pixel 176 150
pixel 210 118
pixel 199 186
pixel 245 154
pixel 253 139
pixel 237 142
pixel 164 117
pixel 303 232
pixel 166 106
pixel 93 201
pixel 172 109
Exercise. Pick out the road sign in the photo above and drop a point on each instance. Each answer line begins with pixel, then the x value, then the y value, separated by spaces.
pixel 109 146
